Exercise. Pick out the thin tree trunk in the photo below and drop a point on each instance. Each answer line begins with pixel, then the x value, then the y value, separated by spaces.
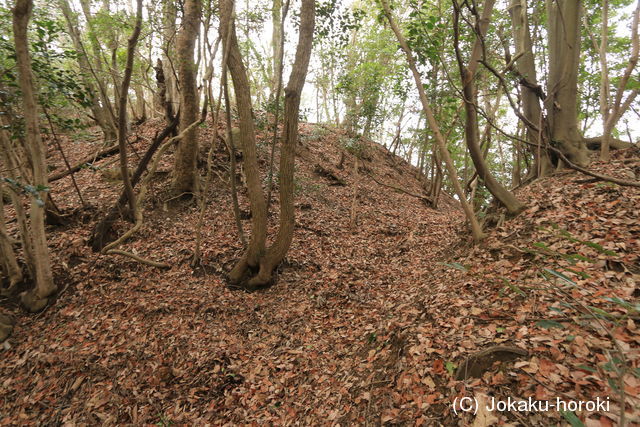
pixel 433 124
pixel 122 111
pixel 251 257
pixel 8 260
pixel 232 162
pixel 353 215
pixel 276 253
pixel 36 299
pixel 100 113
pixel 472 133
pixel 98 69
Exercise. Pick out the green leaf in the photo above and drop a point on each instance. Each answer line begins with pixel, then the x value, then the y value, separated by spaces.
pixel 613 384
pixel 600 312
pixel 560 276
pixel 600 249
pixel 548 324
pixel 514 288
pixel 572 418
pixel 587 368
pixel 456 265
pixel 451 367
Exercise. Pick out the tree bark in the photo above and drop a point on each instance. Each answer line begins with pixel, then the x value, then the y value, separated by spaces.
pixel 564 58
pixel 293 92
pixel 122 110
pixel 472 132
pixel 35 299
pixel 8 260
pixel 277 36
pixel 168 46
pixel 185 173
pixel 526 67
pixel 433 124
pixel 250 258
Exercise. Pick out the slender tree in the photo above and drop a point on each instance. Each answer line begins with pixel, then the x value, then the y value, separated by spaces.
pixel 433 125
pixel 470 93
pixel 255 267
pixel 185 174
pixel 37 298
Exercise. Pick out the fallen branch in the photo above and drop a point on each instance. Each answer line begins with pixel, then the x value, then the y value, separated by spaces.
pixel 107 152
pixel 102 228
pixel 139 259
pixel 623 182
pixel 402 190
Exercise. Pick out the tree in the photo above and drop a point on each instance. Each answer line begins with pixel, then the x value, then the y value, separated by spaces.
pixel 101 112
pixel 185 174
pixel 470 94
pixel 612 109
pixel 255 267
pixel 444 153
pixel 37 298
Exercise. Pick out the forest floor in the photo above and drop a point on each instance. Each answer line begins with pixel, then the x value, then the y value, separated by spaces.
pixel 365 325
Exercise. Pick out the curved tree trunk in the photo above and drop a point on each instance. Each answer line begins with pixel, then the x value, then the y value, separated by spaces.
pixel 476 230
pixel 122 111
pixel 470 92
pixel 185 176
pixel 35 299
pixel 293 91
pixel 256 256
pixel 250 259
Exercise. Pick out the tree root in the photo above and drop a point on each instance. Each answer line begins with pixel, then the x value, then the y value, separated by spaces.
pixel 422 197
pixel 478 363
pixel 6 327
pixel 33 303
pixel 139 259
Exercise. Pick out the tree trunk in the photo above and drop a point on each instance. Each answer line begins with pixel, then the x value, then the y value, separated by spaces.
pixel 98 70
pixel 8 260
pixel 276 47
pixel 564 58
pixel 122 111
pixel 472 132
pixel 528 83
pixel 250 259
pixel 185 173
pixel 256 256
pixel 35 299
pixel 100 113
pixel 293 92
pixel 169 72
pixel 433 124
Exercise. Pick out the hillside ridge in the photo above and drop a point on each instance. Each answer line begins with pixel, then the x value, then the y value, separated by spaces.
pixel 365 324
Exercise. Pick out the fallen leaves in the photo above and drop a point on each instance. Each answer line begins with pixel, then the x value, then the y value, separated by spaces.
pixel 363 327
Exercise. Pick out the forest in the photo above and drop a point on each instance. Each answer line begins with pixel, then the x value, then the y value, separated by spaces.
pixel 320 212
